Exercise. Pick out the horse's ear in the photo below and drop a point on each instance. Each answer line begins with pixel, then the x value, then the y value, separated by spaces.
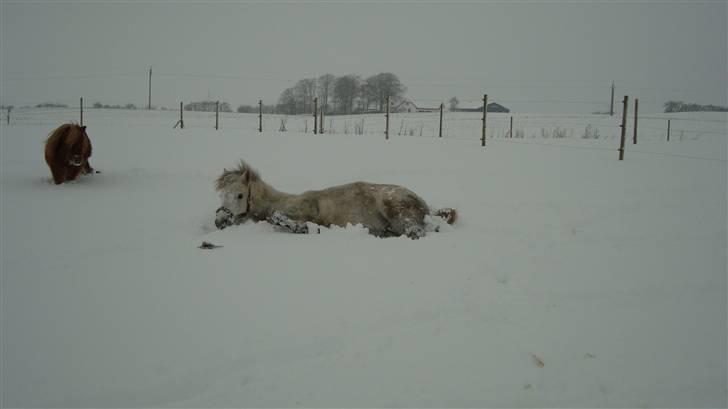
pixel 246 176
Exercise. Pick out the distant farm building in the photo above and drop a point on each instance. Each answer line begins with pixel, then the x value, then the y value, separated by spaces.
pixel 411 106
pixel 492 107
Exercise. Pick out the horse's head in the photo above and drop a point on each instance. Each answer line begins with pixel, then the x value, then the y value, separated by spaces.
pixel 79 150
pixel 234 188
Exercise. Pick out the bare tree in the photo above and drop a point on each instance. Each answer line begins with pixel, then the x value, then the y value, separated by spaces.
pixel 454 102
pixel 385 85
pixel 346 90
pixel 305 91
pixel 325 90
pixel 287 102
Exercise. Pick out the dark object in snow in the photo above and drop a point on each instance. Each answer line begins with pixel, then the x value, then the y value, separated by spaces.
pixel 206 245
pixel 537 361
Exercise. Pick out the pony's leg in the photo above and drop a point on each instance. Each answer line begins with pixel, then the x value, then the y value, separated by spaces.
pixel 410 222
pixel 72 172
pixel 281 220
pixel 59 175
pixel 448 214
pixel 87 169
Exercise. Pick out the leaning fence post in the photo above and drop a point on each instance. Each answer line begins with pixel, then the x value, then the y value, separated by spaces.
pixel 386 129
pixel 624 128
pixel 81 105
pixel 485 109
pixel 442 105
pixel 315 115
pixel 260 115
pixel 668 130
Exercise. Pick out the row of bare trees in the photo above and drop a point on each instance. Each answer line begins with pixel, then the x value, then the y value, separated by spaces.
pixel 346 94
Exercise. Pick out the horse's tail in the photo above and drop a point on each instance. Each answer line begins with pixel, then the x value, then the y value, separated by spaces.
pixel 450 215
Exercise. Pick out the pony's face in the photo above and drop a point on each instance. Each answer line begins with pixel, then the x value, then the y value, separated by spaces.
pixel 235 198
pixel 77 153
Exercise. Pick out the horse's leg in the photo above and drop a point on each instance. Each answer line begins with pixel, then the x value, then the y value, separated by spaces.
pixel 281 220
pixel 58 173
pixel 448 214
pixel 409 222
pixel 87 169
pixel 72 172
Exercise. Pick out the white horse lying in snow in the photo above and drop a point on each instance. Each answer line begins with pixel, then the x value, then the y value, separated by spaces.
pixel 386 210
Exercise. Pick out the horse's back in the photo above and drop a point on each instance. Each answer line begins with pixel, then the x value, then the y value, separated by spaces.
pixel 383 208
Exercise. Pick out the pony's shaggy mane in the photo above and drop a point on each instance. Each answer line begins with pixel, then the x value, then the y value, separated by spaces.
pixel 231 176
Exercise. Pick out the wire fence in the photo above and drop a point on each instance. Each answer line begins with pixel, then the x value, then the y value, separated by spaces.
pixel 515 128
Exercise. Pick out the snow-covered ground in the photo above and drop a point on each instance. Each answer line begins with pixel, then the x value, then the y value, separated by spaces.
pixel 570 280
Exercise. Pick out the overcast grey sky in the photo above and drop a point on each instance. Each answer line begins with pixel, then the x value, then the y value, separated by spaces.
pixel 535 56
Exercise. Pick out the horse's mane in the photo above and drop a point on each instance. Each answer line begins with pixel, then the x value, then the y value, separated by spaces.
pixel 66 133
pixel 230 176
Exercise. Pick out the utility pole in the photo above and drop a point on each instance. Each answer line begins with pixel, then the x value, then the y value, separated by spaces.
pixel 149 104
pixel 611 102
pixel 636 107
pixel 624 128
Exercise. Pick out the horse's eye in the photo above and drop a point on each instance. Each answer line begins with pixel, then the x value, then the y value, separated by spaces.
pixel 240 196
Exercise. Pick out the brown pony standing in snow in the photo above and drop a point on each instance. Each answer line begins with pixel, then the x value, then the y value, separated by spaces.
pixel 67 150
pixel 386 210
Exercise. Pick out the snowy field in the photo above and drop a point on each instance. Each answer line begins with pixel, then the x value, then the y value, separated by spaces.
pixel 570 280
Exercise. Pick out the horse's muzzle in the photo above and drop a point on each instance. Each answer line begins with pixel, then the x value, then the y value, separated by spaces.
pixel 224 218
pixel 75 160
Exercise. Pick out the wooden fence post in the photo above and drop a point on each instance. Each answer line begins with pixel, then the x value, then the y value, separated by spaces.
pixel 636 108
pixel 9 109
pixel 511 133
pixel 181 116
pixel 217 114
pixel 442 105
pixel 81 105
pixel 321 118
pixel 485 109
pixel 624 128
pixel 386 129
pixel 260 115
pixel 668 130
pixel 315 115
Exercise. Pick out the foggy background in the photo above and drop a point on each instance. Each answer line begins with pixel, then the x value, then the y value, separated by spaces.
pixel 528 56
